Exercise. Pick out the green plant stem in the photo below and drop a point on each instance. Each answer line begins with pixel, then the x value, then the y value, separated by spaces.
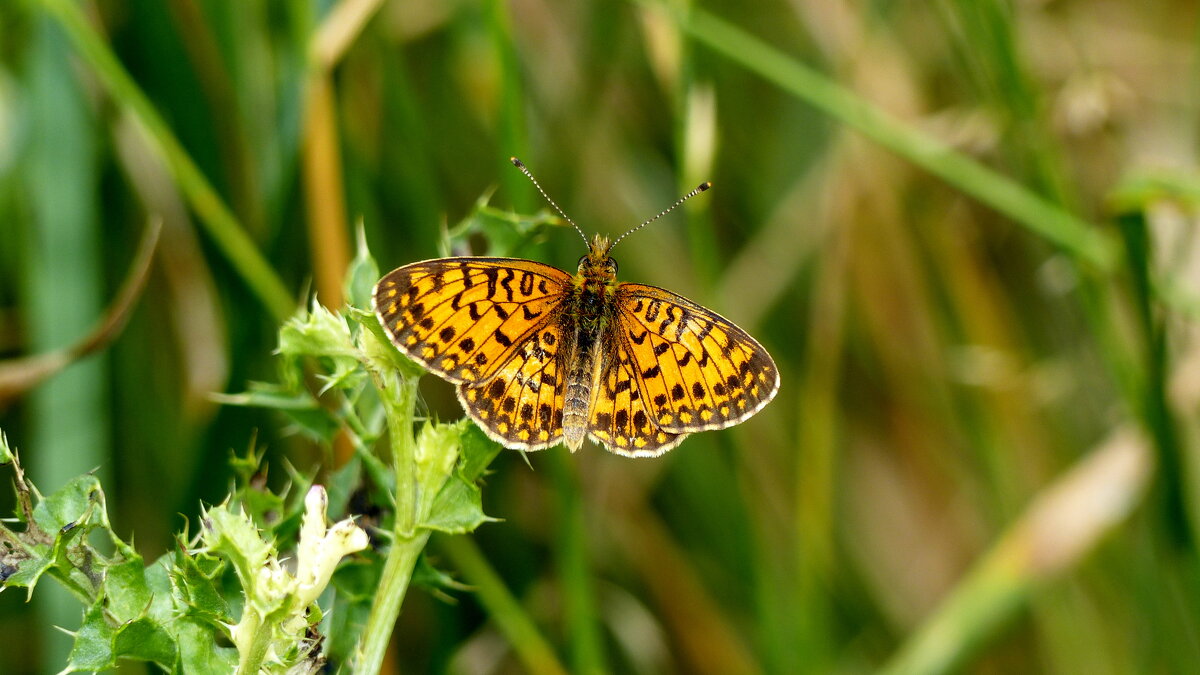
pixel 216 217
pixel 397 573
pixel 250 660
pixel 529 644
pixel 1006 196
pixel 399 396
pixel 404 454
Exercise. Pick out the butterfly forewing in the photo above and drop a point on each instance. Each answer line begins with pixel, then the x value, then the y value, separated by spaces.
pixel 694 369
pixel 466 318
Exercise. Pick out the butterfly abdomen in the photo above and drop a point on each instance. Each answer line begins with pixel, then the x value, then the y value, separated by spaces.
pixel 577 400
pixel 588 312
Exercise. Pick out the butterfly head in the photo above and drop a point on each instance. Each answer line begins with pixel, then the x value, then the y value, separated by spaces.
pixel 597 264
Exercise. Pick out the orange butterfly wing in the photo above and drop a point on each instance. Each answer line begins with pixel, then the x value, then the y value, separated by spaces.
pixel 489 325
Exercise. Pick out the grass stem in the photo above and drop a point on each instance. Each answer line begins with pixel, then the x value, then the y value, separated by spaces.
pixel 216 217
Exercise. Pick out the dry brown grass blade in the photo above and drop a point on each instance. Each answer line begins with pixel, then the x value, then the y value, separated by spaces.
pixel 325 199
pixel 22 374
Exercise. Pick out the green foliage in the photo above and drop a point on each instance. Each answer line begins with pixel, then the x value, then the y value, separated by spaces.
pixel 132 611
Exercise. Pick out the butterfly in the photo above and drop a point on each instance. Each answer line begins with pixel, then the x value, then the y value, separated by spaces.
pixel 542 357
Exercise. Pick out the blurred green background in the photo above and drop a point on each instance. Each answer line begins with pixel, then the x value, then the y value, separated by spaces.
pixel 965 229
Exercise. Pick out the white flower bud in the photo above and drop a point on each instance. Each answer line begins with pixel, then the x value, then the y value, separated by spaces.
pixel 320 551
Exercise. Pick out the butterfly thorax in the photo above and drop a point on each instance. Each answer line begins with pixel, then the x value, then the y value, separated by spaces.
pixel 594 286
pixel 589 313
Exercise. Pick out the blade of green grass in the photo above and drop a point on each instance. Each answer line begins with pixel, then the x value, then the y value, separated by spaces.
pixel 697 147
pixel 219 221
pixel 511 121
pixel 816 465
pixel 1155 410
pixel 530 646
pixel 1006 196
pixel 987 41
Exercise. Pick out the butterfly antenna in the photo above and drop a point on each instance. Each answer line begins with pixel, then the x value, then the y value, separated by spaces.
pixel 525 170
pixel 700 188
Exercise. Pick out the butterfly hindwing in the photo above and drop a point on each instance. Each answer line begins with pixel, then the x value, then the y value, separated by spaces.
pixel 521 404
pixel 694 369
pixel 620 419
pixel 466 318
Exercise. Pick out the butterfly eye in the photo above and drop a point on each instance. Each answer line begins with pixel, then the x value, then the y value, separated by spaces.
pixel 611 265
pixel 581 259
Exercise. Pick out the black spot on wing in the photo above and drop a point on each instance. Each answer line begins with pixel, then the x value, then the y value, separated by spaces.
pixel 506 282
pixel 622 417
pixel 492 275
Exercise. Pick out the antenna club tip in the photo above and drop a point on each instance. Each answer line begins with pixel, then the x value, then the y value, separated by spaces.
pixel 516 162
pixel 704 186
